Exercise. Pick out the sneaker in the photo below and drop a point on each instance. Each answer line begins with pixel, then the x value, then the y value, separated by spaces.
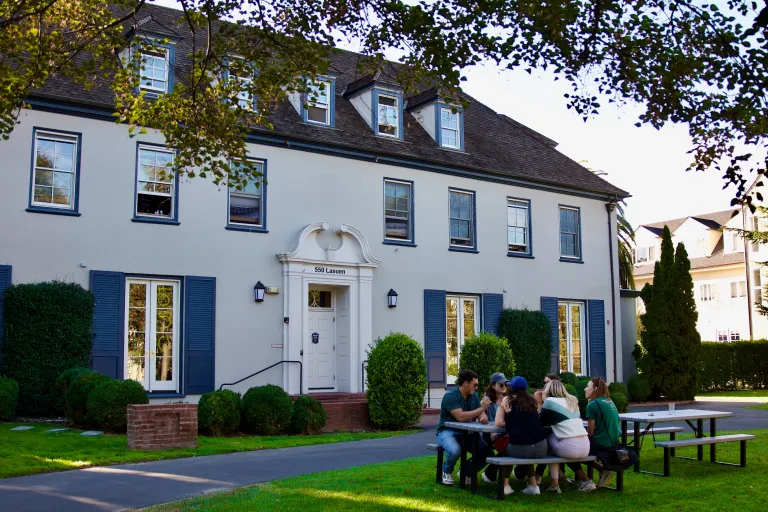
pixel 508 490
pixel 587 486
pixel 467 480
pixel 538 480
pixel 486 479
pixel 564 477
pixel 447 478
pixel 605 479
pixel 532 490
pixel 555 489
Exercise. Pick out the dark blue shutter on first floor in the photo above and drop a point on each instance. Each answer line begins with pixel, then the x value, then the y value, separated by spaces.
pixel 596 323
pixel 493 304
pixel 5 282
pixel 108 289
pixel 199 334
pixel 549 308
pixel 434 336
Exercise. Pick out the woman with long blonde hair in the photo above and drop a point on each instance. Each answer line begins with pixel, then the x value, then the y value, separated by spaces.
pixel 569 437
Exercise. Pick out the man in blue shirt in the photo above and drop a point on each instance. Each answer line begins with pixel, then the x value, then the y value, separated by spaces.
pixel 461 404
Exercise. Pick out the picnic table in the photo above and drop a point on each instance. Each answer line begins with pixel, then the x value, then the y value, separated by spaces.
pixel 471 432
pixel 687 415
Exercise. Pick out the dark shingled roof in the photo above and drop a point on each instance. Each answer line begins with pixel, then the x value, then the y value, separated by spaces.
pixel 715 220
pixel 493 145
pixel 716 260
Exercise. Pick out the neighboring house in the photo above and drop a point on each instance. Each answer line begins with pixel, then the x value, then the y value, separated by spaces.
pixel 366 190
pixel 727 281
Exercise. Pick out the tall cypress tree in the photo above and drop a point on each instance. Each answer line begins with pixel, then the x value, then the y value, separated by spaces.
pixel 688 343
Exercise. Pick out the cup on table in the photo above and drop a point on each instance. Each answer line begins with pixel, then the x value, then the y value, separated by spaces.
pixel 671 407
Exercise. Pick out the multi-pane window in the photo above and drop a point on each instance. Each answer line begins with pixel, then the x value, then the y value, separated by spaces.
pixel 569 233
pixel 154 71
pixel 246 204
pixel 738 289
pixel 570 321
pixel 244 97
pixel 55 170
pixel 517 226
pixel 645 254
pixel 462 228
pixel 156 183
pixel 397 211
pixel 735 335
pixel 461 324
pixel 388 116
pixel 722 335
pixel 319 102
pixel 449 129
pixel 708 292
pixel 755 227
pixel 757 286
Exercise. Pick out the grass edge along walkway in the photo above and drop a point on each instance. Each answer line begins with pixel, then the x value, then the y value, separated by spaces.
pixel 31 452
pixel 409 485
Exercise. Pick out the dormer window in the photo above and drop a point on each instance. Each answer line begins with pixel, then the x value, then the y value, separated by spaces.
pixel 450 136
pixel 319 103
pixel 154 71
pixel 388 118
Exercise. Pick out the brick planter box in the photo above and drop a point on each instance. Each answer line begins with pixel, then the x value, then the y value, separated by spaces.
pixel 160 427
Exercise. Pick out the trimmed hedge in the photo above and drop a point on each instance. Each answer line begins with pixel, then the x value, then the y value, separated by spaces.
pixel 571 389
pixel 620 401
pixel 487 354
pixel 568 378
pixel 9 398
pixel 638 388
pixel 731 366
pixel 308 416
pixel 618 387
pixel 107 403
pixel 581 385
pixel 76 397
pixel 62 384
pixel 48 330
pixel 218 412
pixel 266 410
pixel 397 381
pixel 529 336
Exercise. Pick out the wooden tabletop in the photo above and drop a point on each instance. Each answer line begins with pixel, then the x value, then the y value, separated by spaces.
pixel 677 415
pixel 474 426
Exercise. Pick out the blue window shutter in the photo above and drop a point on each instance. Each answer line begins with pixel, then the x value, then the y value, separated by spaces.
pixel 549 308
pixel 434 336
pixel 596 323
pixel 199 334
pixel 5 283
pixel 493 304
pixel 108 289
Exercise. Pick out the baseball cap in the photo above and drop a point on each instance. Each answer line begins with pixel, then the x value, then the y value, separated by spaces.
pixel 518 383
pixel 498 377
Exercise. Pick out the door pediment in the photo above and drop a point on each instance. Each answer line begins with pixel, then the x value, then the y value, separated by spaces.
pixel 321 242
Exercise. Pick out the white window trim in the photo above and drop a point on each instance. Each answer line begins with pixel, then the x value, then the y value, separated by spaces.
pixel 396 108
pixel 172 183
pixel 450 379
pixel 231 191
pixel 410 211
pixel 323 106
pixel 525 204
pixel 457 129
pixel 569 342
pixel 150 88
pixel 56 137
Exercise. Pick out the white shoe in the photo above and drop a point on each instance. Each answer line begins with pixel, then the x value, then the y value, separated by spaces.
pixel 587 486
pixel 508 490
pixel 605 479
pixel 538 480
pixel 447 478
pixel 467 479
pixel 532 490
pixel 555 489
pixel 486 479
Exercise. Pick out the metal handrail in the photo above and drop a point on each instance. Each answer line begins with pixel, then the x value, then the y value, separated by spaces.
pixel 301 375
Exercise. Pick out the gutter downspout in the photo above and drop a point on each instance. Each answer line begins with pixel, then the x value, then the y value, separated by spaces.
pixel 610 207
pixel 747 271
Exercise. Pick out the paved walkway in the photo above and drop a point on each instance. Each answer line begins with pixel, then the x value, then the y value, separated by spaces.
pixel 132 486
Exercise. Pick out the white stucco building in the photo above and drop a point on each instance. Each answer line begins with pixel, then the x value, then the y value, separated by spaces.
pixel 461 214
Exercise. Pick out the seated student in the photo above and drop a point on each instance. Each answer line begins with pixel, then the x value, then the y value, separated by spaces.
pixel 568 438
pixel 538 393
pixel 495 392
pixel 603 426
pixel 527 439
pixel 461 404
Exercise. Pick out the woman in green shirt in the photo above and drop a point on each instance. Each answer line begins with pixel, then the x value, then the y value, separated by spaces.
pixel 603 425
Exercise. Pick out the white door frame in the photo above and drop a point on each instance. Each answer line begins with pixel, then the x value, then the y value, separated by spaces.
pixel 332 311
pixel 569 337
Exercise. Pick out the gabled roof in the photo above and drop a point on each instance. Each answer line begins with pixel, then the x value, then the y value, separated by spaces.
pixel 718 259
pixel 494 147
pixel 714 220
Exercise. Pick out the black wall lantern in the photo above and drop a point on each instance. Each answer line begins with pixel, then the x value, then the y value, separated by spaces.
pixel 392 298
pixel 258 291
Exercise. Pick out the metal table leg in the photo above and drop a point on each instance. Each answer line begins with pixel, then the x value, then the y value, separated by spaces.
pixel 637 445
pixel 463 463
pixel 700 433
pixel 473 466
pixel 712 433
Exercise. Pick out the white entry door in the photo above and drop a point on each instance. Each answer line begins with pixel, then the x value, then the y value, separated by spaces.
pixel 321 337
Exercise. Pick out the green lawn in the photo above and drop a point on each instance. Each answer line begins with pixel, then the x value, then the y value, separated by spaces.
pixel 34 451
pixel 410 485
pixel 763 407
pixel 744 393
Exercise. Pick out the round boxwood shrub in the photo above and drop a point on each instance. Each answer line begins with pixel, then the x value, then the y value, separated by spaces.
pixel 9 398
pixel 580 386
pixel 76 397
pixel 108 401
pixel 571 389
pixel 218 412
pixel 397 381
pixel 62 384
pixel 486 354
pixel 266 410
pixel 620 401
pixel 308 416
pixel 568 378
pixel 529 335
pixel 617 387
pixel 639 389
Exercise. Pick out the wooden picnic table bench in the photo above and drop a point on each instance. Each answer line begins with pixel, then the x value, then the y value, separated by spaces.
pixel 669 447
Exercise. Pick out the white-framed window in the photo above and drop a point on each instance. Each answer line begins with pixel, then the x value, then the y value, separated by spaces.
pixel 708 292
pixel 246 204
pixel 154 70
pixel 738 289
pixel 733 241
pixel 757 286
pixel 398 212
pixel 55 170
pixel 462 218
pixel 152 334
pixel 569 233
pixel 722 335
pixel 461 314
pixel 155 183
pixel 319 102
pixel 570 322
pixel 735 335
pixel 518 237
pixel 388 116
pixel 645 254
pixel 449 129
pixel 244 96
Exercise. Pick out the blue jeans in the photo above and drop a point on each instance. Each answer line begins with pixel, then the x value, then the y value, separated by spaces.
pixel 451 442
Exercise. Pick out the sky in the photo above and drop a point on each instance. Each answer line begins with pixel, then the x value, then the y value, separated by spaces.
pixel 650 164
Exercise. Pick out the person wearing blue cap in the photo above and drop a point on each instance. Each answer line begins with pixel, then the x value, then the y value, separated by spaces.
pixel 519 415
